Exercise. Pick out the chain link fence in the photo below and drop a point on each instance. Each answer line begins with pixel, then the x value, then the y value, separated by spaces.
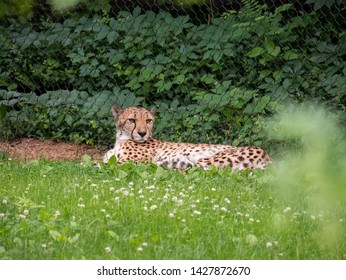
pixel 215 70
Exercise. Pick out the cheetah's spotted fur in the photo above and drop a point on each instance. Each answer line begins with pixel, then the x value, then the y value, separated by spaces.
pixel 134 142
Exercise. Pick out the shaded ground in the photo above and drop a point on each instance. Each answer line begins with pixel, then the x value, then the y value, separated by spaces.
pixel 30 149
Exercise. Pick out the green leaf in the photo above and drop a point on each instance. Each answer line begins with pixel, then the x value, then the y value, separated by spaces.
pixel 276 51
pixel 162 86
pixel 290 55
pixel 112 36
pixel 103 33
pixel 180 79
pixel 255 52
pixel 269 45
pixel 208 79
pixel 318 4
pixel 133 84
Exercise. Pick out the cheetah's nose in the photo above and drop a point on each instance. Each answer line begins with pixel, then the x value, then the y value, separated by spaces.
pixel 142 134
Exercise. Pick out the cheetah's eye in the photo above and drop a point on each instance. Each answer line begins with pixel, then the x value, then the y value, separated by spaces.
pixel 132 120
pixel 149 121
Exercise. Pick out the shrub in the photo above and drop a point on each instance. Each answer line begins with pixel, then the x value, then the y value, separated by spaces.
pixel 210 83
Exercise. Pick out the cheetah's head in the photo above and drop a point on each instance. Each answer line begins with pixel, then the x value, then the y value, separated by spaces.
pixel 133 123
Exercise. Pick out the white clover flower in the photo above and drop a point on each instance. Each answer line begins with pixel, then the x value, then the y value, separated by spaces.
pixel 153 207
pixel 251 220
pixel 140 191
pixel 145 244
pixel 287 209
pixel 196 212
pixel 180 202
pixel 4 201
pixel 193 206
pixel 103 210
pixel 96 196
pixel 44 245
pixel 26 212
pixel 139 249
pixel 57 213
pixel 21 216
pixel 171 215
pixel 80 205
pixel 213 189
pixel 94 185
pixel 269 245
pixel 111 189
pixel 108 249
pixel 191 187
pixel 227 200
pixel 145 208
pixel 126 193
pixel 2 215
pixel 174 199
pixel 131 184
pixel 145 181
pixel 182 194
pixel 117 179
pixel 224 209
pixel 108 216
pixel 116 199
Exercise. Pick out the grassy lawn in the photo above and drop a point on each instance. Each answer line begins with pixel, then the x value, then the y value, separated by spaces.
pixel 293 210
pixel 64 210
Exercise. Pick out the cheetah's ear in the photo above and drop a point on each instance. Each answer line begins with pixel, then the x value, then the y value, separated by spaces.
pixel 116 111
pixel 153 111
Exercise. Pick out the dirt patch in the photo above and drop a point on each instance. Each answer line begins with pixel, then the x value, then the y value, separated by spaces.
pixel 30 149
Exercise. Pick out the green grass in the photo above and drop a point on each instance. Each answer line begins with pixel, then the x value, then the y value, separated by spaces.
pixel 293 210
pixel 52 210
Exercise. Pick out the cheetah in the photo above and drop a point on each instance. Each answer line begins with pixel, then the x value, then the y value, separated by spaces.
pixel 134 142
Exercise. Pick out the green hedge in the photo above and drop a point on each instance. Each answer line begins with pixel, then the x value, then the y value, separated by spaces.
pixel 210 83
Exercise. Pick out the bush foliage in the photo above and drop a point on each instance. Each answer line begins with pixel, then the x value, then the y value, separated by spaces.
pixel 210 83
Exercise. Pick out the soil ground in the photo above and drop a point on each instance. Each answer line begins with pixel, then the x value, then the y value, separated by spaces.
pixel 31 149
